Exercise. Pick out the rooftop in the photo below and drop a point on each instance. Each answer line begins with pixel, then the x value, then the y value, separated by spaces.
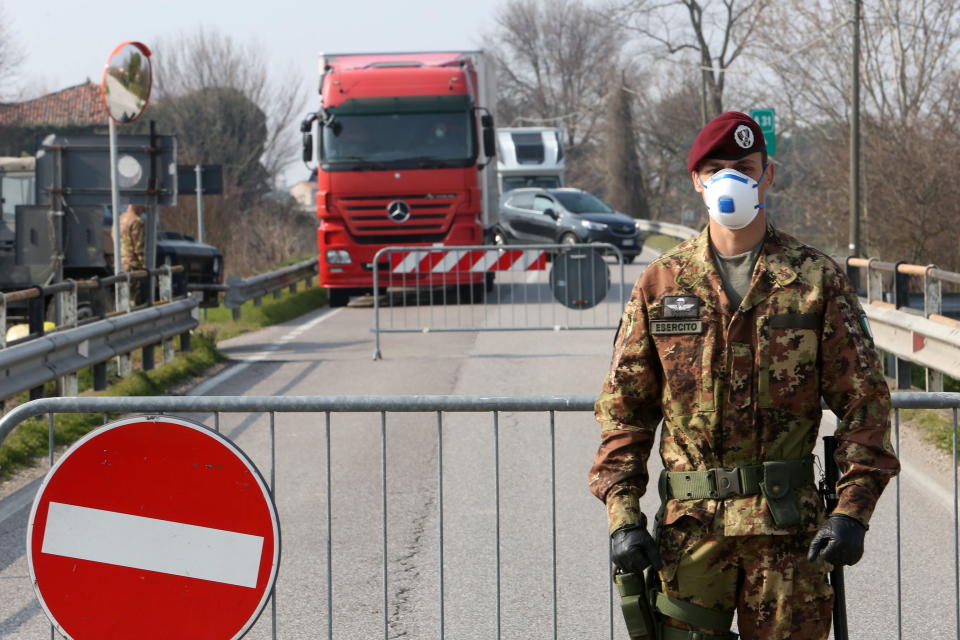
pixel 76 105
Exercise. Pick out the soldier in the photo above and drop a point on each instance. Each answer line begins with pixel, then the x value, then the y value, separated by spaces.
pixel 133 237
pixel 730 339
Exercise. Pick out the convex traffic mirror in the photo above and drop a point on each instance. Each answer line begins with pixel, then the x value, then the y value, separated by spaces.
pixel 127 79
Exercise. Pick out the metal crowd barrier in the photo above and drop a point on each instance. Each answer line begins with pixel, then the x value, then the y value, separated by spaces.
pixel 494 288
pixel 443 410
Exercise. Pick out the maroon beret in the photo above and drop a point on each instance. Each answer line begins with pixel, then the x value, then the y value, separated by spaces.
pixel 729 136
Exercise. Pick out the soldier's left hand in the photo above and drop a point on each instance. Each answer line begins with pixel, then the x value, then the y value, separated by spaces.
pixel 839 541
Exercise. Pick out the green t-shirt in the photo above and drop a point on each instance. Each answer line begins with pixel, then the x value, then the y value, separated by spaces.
pixel 736 272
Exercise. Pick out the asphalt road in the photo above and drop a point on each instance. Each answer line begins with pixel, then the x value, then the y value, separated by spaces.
pixel 329 352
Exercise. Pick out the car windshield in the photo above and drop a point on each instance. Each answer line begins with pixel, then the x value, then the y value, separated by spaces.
pixel 399 141
pixel 580 202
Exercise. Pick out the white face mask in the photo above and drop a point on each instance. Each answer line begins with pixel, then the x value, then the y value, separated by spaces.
pixel 732 198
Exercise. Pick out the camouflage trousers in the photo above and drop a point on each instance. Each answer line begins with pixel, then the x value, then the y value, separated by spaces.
pixel 776 592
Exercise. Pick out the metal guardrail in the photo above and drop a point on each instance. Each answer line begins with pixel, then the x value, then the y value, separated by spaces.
pixel 443 407
pixel 667 229
pixel 41 358
pixel 926 338
pixel 239 290
pixel 515 287
pixel 66 298
pixel 63 353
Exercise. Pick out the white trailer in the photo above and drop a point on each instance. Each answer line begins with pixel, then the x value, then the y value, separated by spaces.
pixel 530 157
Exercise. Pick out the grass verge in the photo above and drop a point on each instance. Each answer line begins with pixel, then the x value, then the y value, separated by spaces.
pixel 30 439
pixel 221 325
pixel 935 426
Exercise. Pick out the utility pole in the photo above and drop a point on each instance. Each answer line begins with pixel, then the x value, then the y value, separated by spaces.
pixel 855 136
pixel 703 97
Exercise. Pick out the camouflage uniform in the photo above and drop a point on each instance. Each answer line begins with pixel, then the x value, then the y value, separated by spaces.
pixel 133 242
pixel 741 388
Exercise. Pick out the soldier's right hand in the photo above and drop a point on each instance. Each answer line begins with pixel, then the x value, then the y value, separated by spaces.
pixel 633 549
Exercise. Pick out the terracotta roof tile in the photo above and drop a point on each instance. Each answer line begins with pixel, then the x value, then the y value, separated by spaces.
pixel 77 105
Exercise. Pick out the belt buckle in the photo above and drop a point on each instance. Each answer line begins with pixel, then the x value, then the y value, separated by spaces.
pixel 726 482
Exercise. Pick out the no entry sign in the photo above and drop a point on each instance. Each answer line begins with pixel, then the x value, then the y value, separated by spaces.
pixel 153 527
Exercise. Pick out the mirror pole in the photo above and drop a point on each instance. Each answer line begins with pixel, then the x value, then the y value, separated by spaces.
pixel 115 204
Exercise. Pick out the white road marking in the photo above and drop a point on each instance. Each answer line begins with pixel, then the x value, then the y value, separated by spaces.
pixel 929 485
pixel 205 386
pixel 152 545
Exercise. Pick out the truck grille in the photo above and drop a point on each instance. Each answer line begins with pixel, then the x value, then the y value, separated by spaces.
pixel 367 215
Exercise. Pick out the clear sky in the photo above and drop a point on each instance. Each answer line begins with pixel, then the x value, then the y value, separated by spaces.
pixel 67 41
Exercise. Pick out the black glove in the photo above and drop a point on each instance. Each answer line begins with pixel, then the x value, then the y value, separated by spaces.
pixel 634 549
pixel 839 541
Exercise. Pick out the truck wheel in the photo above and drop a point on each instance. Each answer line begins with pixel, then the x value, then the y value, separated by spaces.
pixel 471 293
pixel 338 297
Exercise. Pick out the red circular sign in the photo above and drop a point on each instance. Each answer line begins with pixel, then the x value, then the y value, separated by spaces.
pixel 153 527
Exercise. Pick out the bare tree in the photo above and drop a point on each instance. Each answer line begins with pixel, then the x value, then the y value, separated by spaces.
pixel 625 188
pixel 909 84
pixel 11 57
pixel 555 59
pixel 208 59
pixel 670 105
pixel 707 33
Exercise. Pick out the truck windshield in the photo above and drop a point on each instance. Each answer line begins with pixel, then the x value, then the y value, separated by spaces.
pixel 580 202
pixel 399 141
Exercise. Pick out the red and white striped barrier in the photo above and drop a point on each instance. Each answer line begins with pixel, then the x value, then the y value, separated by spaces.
pixel 465 260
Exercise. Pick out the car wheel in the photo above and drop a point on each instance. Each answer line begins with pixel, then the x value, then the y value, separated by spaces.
pixel 569 238
pixel 499 237
pixel 629 259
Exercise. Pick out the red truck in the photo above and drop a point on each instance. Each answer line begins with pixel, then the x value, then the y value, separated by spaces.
pixel 404 150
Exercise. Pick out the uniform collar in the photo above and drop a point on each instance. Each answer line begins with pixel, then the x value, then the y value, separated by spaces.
pixel 773 269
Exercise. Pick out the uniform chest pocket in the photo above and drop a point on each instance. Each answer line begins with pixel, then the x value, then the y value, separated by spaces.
pixel 788 347
pixel 684 358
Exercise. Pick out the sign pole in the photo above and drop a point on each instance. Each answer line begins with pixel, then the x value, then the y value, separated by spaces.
pixel 115 204
pixel 199 169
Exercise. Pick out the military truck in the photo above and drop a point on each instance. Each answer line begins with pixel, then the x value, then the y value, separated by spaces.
pixel 29 233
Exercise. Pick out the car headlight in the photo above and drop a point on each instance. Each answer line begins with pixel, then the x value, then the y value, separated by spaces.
pixel 338 256
pixel 595 226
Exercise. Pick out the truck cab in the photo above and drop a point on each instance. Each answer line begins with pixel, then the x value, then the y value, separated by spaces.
pixel 403 144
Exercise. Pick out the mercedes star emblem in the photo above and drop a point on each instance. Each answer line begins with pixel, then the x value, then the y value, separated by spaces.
pixel 398 211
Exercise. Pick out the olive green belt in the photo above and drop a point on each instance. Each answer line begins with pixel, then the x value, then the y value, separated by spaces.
pixel 727 482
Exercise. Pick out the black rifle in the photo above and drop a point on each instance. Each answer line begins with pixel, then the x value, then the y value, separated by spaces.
pixel 828 488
